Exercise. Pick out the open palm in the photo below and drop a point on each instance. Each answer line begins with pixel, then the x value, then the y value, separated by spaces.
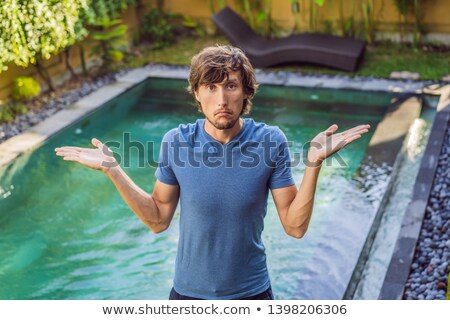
pixel 329 142
pixel 98 158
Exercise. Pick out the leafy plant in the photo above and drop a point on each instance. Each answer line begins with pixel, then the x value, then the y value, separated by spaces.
pixel 32 31
pixel 100 10
pixel 19 107
pixel 419 28
pixel 258 16
pixel 10 110
pixel 158 28
pixel 313 13
pixel 194 25
pixel 403 7
pixel 96 18
pixel 369 20
pixel 6 113
pixel 295 9
pixel 347 24
pixel 25 88
pixel 212 7
pixel 111 37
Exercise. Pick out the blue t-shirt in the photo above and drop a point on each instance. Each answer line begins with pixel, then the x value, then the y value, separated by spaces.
pixel 223 202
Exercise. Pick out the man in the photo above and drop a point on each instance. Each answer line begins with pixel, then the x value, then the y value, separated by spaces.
pixel 221 169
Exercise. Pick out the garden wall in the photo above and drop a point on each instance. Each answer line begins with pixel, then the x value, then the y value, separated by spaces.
pixel 435 13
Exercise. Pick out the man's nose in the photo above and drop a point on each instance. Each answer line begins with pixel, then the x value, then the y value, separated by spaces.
pixel 222 97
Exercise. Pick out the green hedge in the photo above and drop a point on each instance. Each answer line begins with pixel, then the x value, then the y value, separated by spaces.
pixel 36 29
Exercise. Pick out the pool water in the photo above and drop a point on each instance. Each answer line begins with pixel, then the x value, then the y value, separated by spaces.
pixel 67 234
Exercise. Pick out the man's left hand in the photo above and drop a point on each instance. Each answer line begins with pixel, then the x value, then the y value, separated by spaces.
pixel 329 142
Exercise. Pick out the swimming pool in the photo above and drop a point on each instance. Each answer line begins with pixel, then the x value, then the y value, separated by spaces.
pixel 66 233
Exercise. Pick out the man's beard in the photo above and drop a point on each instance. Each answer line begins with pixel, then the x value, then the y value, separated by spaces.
pixel 223 126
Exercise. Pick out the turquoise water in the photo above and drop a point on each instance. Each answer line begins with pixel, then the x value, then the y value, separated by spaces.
pixel 67 234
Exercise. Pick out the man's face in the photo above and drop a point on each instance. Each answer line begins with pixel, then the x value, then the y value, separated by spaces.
pixel 222 103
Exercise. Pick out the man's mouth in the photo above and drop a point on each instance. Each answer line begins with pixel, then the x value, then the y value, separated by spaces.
pixel 223 113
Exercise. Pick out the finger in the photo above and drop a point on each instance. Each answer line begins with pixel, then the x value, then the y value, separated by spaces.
pixel 68 148
pixel 355 130
pixel 351 139
pixel 66 153
pixel 332 129
pixel 351 130
pixel 71 158
pixel 97 143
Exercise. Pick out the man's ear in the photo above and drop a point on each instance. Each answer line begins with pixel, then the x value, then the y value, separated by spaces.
pixel 196 95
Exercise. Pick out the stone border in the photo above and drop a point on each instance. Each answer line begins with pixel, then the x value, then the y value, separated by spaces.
pixel 383 149
pixel 35 136
pixel 312 81
pixel 400 264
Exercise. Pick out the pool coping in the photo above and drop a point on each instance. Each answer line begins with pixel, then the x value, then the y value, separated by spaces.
pixel 399 267
pixel 383 150
pixel 404 250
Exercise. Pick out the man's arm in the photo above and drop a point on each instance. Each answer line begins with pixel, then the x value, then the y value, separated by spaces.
pixel 156 210
pixel 294 206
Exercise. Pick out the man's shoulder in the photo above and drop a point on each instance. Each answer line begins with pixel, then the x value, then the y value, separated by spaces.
pixel 261 129
pixel 183 131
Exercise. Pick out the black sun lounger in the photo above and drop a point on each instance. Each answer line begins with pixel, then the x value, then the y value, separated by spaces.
pixel 315 48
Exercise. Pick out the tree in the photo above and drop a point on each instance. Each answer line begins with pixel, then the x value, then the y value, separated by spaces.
pixel 31 31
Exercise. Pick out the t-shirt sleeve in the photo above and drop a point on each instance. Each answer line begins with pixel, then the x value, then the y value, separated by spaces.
pixel 164 171
pixel 282 174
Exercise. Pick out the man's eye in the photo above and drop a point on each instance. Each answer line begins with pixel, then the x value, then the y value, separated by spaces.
pixel 232 86
pixel 211 87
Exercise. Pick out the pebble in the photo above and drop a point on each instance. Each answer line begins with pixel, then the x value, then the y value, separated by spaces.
pixel 404 75
pixel 430 266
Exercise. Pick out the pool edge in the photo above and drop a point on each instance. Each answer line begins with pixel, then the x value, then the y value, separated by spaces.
pixel 33 137
pixel 399 266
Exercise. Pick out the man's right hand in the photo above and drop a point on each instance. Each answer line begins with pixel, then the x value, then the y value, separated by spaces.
pixel 98 158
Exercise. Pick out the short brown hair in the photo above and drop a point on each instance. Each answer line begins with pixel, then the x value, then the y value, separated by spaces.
pixel 213 64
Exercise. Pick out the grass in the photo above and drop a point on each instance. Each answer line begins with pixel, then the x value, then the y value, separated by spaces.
pixel 379 60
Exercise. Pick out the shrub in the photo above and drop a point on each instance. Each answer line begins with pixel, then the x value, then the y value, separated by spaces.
pixel 158 28
pixel 19 108
pixel 25 88
pixel 6 114
pixel 115 55
pixel 112 43
pixel 8 111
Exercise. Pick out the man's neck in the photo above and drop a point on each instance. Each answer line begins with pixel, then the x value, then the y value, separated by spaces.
pixel 224 135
